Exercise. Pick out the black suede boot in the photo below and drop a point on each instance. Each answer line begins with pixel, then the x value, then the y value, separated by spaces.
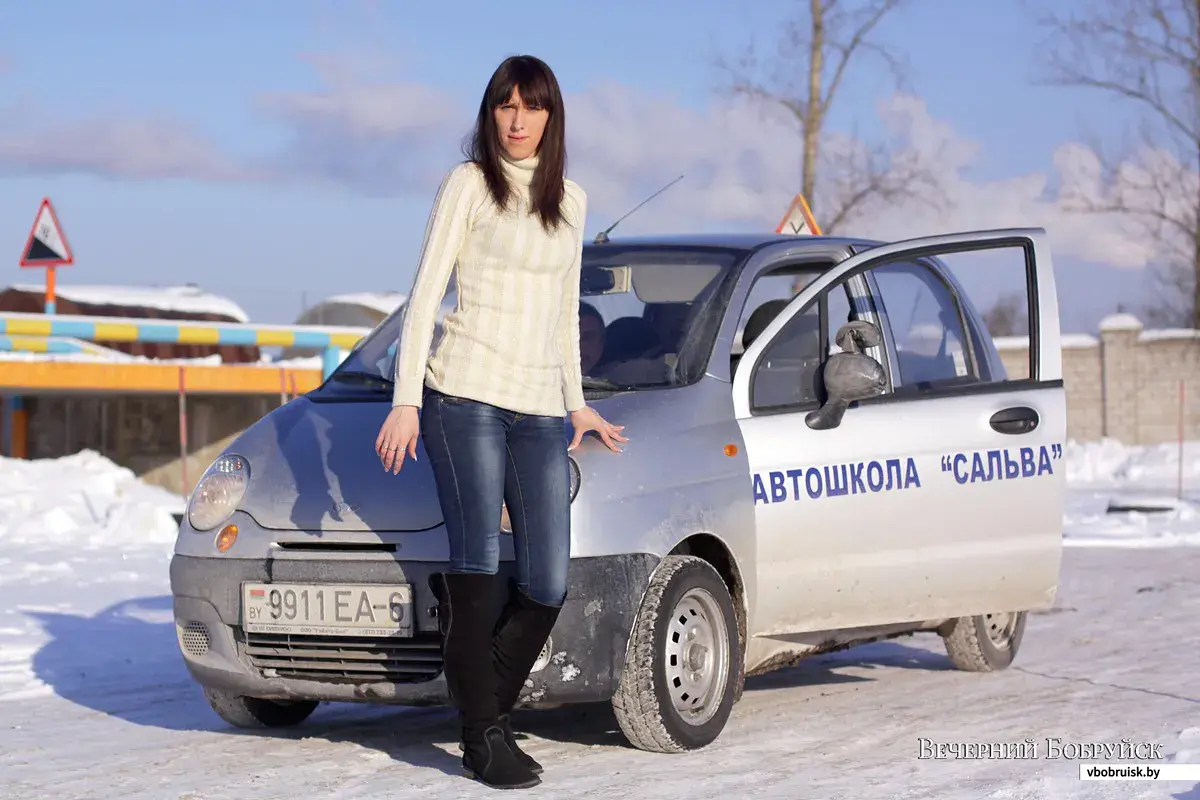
pixel 467 619
pixel 521 632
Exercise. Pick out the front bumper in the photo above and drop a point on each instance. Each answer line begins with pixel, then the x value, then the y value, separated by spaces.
pixel 587 644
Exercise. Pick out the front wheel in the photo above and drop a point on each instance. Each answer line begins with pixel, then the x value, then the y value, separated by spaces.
pixel 985 643
pixel 682 666
pixel 254 712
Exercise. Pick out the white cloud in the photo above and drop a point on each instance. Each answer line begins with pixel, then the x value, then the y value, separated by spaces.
pixel 743 168
pixel 741 163
pixel 1152 183
pixel 360 110
pixel 375 136
pixel 624 144
pixel 1022 200
pixel 140 149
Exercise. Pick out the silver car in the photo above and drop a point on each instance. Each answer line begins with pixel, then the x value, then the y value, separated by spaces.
pixel 826 449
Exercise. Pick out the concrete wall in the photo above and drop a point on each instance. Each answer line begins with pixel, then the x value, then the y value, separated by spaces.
pixel 141 432
pixel 1124 383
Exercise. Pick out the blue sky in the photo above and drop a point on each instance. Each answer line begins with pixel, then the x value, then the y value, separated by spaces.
pixel 166 133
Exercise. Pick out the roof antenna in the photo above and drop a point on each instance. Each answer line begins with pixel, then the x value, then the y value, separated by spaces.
pixel 602 236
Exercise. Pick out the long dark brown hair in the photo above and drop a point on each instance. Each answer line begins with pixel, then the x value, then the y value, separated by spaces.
pixel 539 89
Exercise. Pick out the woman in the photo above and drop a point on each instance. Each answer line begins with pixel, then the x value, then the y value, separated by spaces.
pixel 493 398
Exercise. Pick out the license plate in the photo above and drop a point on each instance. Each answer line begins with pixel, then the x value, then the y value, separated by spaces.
pixel 328 609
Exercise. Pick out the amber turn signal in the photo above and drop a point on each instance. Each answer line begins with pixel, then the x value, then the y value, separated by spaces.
pixel 731 450
pixel 226 538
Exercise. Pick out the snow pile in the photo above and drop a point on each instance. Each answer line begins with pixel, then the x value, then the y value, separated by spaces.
pixel 1109 462
pixel 77 534
pixel 1100 472
pixel 1088 523
pixel 81 501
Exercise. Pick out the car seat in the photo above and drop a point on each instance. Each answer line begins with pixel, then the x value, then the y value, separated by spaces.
pixel 758 322
pixel 627 338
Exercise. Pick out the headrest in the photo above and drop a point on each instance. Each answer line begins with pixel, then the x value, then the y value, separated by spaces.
pixel 760 319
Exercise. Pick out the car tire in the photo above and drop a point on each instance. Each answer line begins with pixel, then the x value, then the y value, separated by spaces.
pixel 254 712
pixel 985 643
pixel 686 618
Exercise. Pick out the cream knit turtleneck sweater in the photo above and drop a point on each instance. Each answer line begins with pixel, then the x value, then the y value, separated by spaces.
pixel 513 339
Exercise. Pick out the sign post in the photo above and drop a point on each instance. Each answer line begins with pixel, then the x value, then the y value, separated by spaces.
pixel 47 247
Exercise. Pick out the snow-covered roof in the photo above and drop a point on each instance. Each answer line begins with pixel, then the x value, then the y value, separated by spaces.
pixel 353 309
pixel 383 302
pixel 186 299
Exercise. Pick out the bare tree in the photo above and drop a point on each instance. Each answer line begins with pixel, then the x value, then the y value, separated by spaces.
pixel 1008 316
pixel 803 78
pixel 1145 53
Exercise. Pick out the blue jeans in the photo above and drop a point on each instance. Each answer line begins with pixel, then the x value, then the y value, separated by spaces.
pixel 483 456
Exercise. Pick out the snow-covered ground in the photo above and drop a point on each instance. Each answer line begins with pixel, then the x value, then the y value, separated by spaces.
pixel 1102 472
pixel 95 701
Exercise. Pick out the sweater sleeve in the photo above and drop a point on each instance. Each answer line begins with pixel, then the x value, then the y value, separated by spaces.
pixel 445 233
pixel 568 322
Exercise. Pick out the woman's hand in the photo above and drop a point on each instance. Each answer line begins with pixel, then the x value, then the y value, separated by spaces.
pixel 586 419
pixel 398 435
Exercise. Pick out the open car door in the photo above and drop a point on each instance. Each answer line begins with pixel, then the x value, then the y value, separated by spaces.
pixel 935 491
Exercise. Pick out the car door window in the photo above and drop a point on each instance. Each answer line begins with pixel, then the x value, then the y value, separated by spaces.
pixel 788 374
pixel 771 291
pixel 926 326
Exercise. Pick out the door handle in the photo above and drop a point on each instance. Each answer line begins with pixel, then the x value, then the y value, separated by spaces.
pixel 1018 419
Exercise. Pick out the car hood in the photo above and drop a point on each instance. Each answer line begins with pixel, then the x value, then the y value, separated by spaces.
pixel 313 467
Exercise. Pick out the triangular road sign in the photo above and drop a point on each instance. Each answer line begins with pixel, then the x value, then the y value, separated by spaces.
pixel 798 221
pixel 47 245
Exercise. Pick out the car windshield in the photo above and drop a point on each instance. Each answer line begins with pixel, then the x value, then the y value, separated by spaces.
pixel 647 319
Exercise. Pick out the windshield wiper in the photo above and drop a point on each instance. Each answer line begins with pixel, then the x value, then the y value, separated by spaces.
pixel 599 383
pixel 362 379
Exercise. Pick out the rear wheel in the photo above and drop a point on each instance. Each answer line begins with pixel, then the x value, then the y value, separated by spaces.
pixel 682 667
pixel 254 712
pixel 985 643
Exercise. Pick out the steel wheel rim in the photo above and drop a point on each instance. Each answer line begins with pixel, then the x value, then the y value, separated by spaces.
pixel 696 656
pixel 1000 628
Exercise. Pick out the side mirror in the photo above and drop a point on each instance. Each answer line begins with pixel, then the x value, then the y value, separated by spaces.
pixel 849 376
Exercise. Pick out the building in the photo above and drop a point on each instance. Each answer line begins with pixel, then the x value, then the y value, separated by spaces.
pixel 360 309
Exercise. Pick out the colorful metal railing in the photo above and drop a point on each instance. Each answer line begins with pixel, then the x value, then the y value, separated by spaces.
pixel 51 346
pixel 330 340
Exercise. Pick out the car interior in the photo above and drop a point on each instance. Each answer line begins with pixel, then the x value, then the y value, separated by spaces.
pixel 643 348
pixel 789 373
pixel 948 363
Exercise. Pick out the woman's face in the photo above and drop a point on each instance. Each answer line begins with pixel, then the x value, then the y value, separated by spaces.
pixel 520 127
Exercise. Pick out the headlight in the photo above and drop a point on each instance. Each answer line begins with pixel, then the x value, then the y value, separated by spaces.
pixel 576 478
pixel 218 492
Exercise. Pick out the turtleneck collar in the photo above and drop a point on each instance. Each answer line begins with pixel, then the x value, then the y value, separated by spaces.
pixel 520 173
